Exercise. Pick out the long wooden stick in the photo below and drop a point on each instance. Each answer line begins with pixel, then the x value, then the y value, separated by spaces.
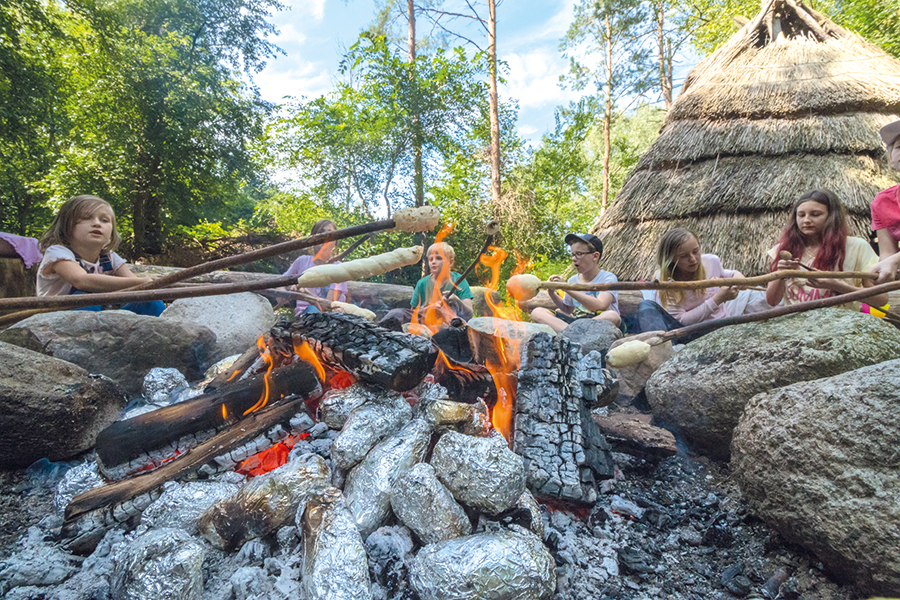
pixel 706 327
pixel 352 247
pixel 702 283
pixel 491 229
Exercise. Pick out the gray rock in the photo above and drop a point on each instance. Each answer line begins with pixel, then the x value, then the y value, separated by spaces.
pixel 50 408
pixel 703 389
pixel 265 503
pixel 237 320
pixel 424 505
pixel 117 343
pixel 482 473
pixel 164 564
pixel 500 566
pixel 592 334
pixel 819 462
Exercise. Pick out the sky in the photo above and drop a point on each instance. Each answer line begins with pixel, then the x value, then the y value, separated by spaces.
pixel 315 33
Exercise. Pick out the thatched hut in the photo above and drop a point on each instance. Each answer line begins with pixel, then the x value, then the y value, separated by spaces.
pixel 791 102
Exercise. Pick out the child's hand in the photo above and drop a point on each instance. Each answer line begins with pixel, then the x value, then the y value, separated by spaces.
pixel 555 278
pixel 788 265
pixel 724 294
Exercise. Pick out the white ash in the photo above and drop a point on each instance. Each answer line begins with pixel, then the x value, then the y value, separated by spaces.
pixel 390 552
pixel 39 562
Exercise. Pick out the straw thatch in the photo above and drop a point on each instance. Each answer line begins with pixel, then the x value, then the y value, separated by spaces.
pixel 791 102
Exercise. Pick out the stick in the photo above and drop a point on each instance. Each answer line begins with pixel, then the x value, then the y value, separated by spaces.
pixel 352 247
pixel 491 229
pixel 701 328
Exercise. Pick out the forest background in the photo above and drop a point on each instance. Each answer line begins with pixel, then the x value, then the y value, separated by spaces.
pixel 146 104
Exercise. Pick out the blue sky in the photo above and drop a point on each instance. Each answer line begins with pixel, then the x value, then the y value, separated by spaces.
pixel 315 33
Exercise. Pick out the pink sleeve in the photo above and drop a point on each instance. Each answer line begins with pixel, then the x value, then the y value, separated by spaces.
pixel 698 314
pixel 877 208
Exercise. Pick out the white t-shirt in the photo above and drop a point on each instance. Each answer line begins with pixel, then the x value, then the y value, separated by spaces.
pixel 602 277
pixel 858 256
pixel 51 284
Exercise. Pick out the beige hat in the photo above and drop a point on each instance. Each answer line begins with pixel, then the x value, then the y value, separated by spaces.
pixel 890 133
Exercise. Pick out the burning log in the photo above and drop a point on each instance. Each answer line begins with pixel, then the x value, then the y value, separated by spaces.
pixel 374 354
pixel 89 515
pixel 144 442
pixel 264 503
pixel 335 566
pixel 565 453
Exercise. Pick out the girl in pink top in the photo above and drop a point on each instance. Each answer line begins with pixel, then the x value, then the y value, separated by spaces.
pixel 679 259
pixel 336 291
pixel 886 210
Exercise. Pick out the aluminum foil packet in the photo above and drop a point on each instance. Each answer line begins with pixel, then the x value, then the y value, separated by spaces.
pixel 366 426
pixel 160 383
pixel 368 487
pixel 163 564
pixel 502 566
pixel 482 473
pixel 264 503
pixel 336 405
pixel 335 566
pixel 77 480
pixel 181 504
pixel 424 505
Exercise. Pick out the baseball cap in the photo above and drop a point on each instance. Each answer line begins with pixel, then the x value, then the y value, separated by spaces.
pixel 890 133
pixel 588 238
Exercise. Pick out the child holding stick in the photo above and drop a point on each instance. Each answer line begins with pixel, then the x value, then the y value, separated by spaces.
pixel 80 258
pixel 817 236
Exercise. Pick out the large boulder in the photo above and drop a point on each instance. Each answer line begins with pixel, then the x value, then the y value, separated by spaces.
pixel 50 408
pixel 819 461
pixel 117 343
pixel 592 334
pixel 703 389
pixel 237 319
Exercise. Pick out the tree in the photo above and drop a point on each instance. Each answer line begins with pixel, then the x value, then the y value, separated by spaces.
pixel 606 47
pixel 160 125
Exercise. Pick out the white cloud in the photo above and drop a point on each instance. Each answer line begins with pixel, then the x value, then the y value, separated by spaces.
pixel 311 79
pixel 314 8
pixel 534 79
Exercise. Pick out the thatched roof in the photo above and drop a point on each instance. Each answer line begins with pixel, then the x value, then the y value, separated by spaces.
pixel 791 102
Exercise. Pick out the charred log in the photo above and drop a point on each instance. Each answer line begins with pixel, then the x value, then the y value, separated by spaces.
pixel 565 453
pixel 391 359
pixel 142 443
pixel 89 515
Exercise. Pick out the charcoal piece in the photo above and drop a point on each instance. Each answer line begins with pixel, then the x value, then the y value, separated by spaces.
pixel 164 564
pixel 366 426
pixel 264 503
pixel 734 581
pixel 368 487
pixel 336 405
pixel 527 513
pixel 632 560
pixel 453 341
pixel 394 360
pixel 390 550
pixel 482 473
pixel 335 566
pixel 424 505
pixel 499 565
pixel 564 452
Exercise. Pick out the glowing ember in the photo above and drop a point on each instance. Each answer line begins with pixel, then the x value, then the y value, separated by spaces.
pixel 305 352
pixel 341 380
pixel 224 413
pixel 270 458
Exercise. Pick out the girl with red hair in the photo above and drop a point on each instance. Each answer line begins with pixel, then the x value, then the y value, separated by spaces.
pixel 818 236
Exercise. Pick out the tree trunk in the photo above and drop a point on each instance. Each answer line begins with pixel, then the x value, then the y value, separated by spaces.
pixel 495 111
pixel 665 83
pixel 607 117
pixel 418 177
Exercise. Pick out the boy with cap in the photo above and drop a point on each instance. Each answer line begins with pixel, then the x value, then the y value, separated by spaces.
pixel 586 251
pixel 886 210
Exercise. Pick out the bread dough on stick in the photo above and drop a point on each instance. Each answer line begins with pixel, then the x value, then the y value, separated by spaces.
pixel 352 309
pixel 523 287
pixel 416 218
pixel 325 275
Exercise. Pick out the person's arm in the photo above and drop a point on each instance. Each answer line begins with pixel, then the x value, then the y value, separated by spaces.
pixel 78 278
pixel 860 257
pixel 887 269
pixel 597 304
pixel 775 289
pixel 701 313
pixel 887 245
pixel 557 299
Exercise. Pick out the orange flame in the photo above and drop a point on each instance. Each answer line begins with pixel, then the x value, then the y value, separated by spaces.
pixel 270 458
pixel 523 263
pixel 305 352
pixel 446 230
pixel 224 413
pixel 267 357
pixel 324 252
pixel 493 261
